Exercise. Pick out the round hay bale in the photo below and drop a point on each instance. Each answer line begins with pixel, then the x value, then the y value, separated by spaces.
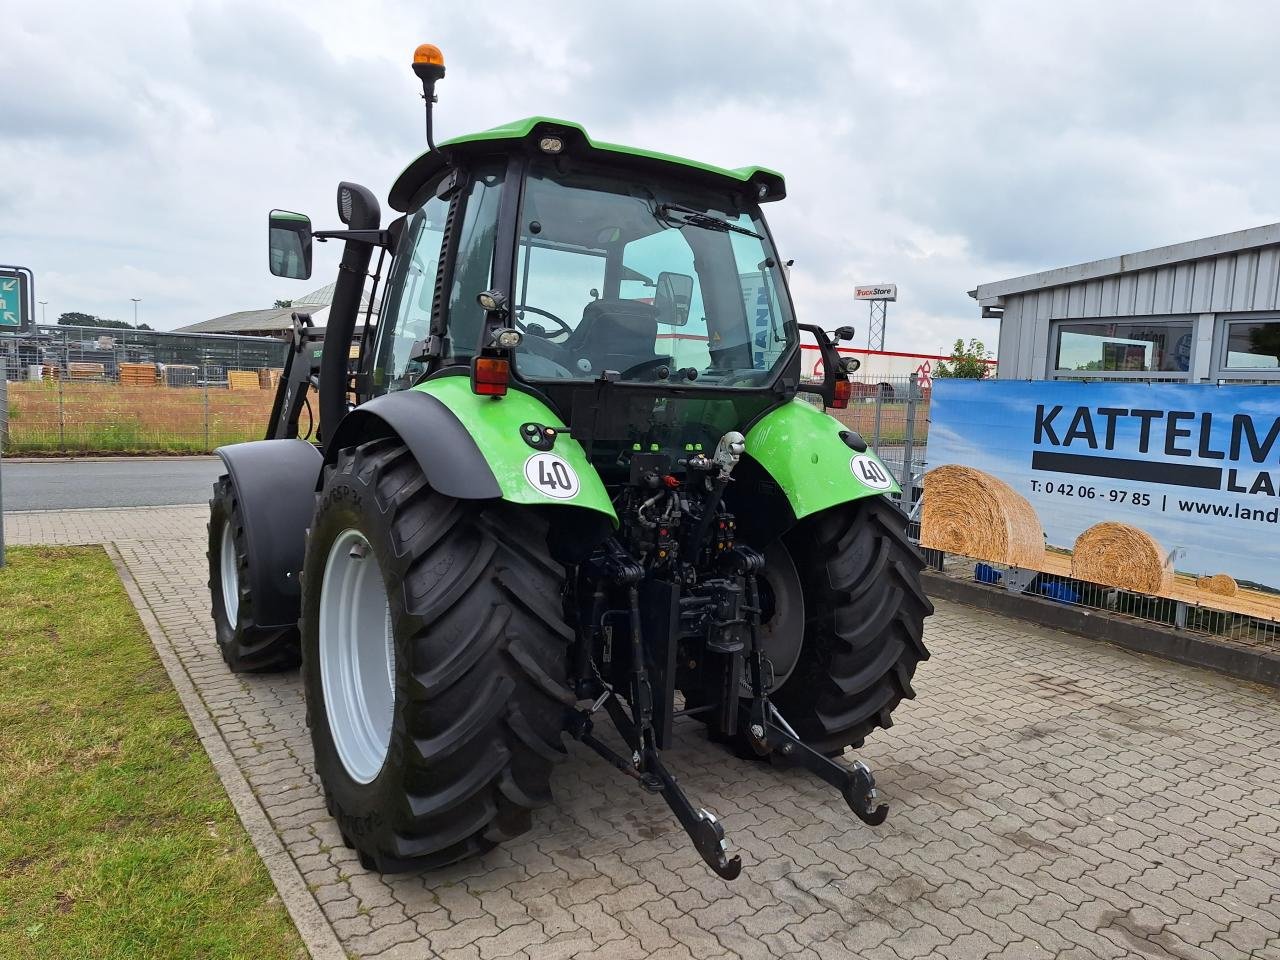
pixel 1223 584
pixel 977 515
pixel 1118 555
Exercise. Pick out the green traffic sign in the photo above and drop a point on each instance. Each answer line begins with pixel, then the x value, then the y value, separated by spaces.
pixel 15 302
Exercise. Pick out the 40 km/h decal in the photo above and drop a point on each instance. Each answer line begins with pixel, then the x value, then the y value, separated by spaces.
pixel 550 474
pixel 871 472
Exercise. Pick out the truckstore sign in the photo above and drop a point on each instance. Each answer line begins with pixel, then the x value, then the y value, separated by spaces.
pixel 876 291
pixel 1163 489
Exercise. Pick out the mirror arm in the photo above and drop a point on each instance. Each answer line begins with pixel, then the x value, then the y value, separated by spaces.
pixel 831 368
pixel 379 238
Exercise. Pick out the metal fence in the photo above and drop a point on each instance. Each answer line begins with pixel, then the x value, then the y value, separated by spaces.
pixel 104 352
pixel 142 408
pixel 892 415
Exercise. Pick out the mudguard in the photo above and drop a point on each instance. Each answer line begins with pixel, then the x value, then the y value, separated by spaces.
pixel 802 450
pixel 471 447
pixel 273 481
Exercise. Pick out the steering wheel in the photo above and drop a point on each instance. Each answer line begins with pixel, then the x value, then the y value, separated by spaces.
pixel 647 366
pixel 522 327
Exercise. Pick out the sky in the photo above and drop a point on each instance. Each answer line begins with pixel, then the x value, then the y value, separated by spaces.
pixel 936 145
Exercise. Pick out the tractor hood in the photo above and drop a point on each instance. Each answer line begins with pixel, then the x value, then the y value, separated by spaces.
pixel 529 132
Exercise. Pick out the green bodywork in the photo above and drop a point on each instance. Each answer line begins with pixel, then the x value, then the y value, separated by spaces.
pixel 797 444
pixel 770 183
pixel 494 424
pixel 519 129
pixel 801 448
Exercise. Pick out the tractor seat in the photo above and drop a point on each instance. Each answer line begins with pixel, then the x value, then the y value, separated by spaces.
pixel 615 334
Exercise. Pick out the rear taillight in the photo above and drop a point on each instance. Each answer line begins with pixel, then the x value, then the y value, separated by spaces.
pixel 489 376
pixel 841 394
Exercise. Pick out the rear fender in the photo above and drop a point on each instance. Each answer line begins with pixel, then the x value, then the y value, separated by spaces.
pixel 472 448
pixel 273 481
pixel 801 450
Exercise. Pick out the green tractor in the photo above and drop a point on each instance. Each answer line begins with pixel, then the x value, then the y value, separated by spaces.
pixel 569 479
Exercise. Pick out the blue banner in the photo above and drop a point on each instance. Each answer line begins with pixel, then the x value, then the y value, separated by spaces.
pixel 1165 489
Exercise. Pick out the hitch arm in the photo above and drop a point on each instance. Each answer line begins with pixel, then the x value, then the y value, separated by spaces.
pixel 701 825
pixel 856 784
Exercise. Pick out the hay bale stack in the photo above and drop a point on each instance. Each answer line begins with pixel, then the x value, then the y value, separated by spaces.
pixel 1222 584
pixel 1118 555
pixel 977 515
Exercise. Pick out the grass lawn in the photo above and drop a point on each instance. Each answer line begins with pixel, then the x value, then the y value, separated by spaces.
pixel 116 837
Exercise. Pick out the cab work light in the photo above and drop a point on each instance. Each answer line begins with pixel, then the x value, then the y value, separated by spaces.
pixel 841 394
pixel 489 376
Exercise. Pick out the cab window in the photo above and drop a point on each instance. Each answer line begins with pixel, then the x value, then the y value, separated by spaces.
pixel 406 318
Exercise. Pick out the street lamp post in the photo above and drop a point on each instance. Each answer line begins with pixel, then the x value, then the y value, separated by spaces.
pixel 44 317
pixel 136 301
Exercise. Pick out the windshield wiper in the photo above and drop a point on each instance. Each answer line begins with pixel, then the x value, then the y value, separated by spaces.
pixel 699 218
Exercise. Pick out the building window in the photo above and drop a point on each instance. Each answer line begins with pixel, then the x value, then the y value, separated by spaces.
pixel 1252 345
pixel 1133 347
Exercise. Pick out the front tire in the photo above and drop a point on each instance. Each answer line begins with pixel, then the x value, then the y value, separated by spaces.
pixel 476 650
pixel 246 645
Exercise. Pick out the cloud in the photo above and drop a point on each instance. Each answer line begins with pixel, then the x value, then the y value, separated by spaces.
pixel 935 145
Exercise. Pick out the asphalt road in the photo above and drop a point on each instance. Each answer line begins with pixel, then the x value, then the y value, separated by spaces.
pixel 77 484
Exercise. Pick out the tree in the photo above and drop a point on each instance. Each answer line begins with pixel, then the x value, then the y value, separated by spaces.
pixel 967 363
pixel 281 304
pixel 74 318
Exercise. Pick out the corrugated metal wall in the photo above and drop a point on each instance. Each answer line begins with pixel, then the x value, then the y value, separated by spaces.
pixel 1239 282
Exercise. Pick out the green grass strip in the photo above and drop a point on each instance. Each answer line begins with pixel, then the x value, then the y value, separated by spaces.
pixel 117 838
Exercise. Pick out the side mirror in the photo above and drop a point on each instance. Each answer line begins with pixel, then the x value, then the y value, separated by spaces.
pixel 289 242
pixel 673 296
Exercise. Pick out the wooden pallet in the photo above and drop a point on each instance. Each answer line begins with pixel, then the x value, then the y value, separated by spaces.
pixel 77 370
pixel 269 377
pixel 138 375
pixel 243 380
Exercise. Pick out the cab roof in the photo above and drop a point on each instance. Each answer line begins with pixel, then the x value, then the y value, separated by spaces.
pixel 769 184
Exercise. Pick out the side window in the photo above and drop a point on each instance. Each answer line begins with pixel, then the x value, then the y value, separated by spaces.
pixel 473 270
pixel 642 261
pixel 759 284
pixel 407 317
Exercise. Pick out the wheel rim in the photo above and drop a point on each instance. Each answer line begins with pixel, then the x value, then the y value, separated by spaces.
pixel 230 575
pixel 782 634
pixel 357 656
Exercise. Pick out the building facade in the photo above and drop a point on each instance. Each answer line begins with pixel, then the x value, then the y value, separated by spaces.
pixel 1204 311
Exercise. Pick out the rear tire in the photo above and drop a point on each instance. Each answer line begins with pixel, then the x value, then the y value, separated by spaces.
pixel 246 646
pixel 864 613
pixel 478 654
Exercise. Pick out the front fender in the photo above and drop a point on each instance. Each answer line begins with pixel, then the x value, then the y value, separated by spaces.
pixel 470 447
pixel 801 449
pixel 273 480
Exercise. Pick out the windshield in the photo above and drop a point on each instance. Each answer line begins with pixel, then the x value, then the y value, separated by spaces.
pixel 661 285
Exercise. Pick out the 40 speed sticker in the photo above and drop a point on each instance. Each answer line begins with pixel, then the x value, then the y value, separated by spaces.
pixel 550 474
pixel 871 472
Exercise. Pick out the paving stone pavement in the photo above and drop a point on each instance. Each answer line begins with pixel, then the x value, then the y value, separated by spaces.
pixel 1051 798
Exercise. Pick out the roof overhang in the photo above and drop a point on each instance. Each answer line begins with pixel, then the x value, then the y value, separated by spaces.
pixel 766 184
pixel 990 294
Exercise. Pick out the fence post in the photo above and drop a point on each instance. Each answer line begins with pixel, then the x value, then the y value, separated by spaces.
pixel 205 368
pixel 875 438
pixel 62 416
pixel 908 442
pixel 4 438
